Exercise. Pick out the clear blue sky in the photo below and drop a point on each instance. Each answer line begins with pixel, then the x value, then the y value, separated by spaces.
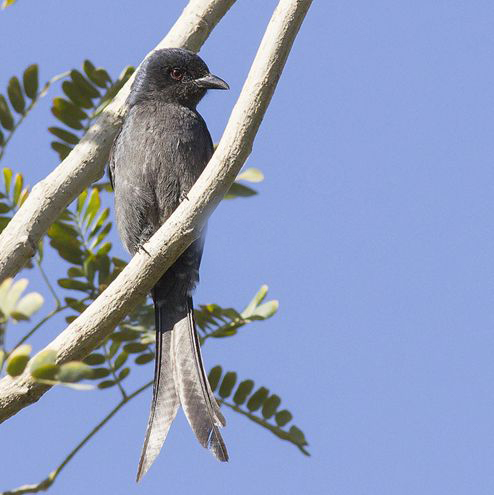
pixel 374 228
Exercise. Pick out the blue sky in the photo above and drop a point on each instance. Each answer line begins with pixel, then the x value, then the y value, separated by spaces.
pixel 373 228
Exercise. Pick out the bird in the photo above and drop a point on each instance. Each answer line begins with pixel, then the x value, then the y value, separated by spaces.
pixel 160 151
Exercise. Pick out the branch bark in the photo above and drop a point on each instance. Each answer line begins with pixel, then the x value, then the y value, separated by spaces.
pixel 184 225
pixel 86 162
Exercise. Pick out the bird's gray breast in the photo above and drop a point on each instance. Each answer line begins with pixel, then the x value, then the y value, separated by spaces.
pixel 159 154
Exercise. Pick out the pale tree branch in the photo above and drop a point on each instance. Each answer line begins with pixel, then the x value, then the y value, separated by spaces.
pixel 184 225
pixel 86 162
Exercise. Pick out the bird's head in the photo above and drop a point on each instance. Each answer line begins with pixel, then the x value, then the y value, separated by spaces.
pixel 173 75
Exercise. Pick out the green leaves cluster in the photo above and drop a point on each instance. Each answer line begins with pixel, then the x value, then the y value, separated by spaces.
pixel 15 306
pixel 80 238
pixel 257 404
pixel 215 321
pixel 20 97
pixel 12 197
pixel 43 367
pixel 87 93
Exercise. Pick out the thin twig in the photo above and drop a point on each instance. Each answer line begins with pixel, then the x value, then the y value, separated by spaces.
pixel 46 483
pixel 265 424
pixel 58 304
pixel 55 311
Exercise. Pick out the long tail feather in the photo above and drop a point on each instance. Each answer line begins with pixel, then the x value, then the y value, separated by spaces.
pixel 165 402
pixel 199 405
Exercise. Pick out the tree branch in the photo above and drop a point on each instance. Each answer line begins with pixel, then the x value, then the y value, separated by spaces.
pixel 185 224
pixel 85 163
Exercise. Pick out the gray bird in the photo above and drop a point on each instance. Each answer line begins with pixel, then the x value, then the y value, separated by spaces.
pixel 158 155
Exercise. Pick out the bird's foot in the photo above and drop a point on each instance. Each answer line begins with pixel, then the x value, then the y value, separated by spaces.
pixel 183 196
pixel 142 248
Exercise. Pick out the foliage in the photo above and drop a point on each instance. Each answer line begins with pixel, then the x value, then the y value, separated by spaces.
pixel 80 237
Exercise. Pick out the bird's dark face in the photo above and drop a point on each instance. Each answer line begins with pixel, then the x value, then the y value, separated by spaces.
pixel 174 75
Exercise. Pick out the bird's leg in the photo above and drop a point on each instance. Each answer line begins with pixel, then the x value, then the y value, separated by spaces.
pixel 183 195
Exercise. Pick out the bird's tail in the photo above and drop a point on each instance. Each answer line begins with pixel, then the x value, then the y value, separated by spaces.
pixel 197 399
pixel 179 376
pixel 164 405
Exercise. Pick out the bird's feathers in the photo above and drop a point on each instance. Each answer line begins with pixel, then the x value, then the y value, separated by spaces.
pixel 199 405
pixel 156 158
pixel 165 403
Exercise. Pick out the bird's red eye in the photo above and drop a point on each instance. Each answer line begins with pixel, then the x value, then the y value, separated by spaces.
pixel 177 73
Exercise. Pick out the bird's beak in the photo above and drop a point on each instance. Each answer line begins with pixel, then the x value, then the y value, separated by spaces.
pixel 211 82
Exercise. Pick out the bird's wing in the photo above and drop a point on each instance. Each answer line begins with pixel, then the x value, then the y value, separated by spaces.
pixel 111 161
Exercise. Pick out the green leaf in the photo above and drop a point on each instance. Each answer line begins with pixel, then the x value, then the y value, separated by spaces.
pixel 62 149
pixel 119 362
pixel 18 183
pixel 81 201
pixel 18 359
pixel 144 358
pixel 64 135
pixel 4 208
pixel 97 76
pixel 92 207
pixel 70 283
pixel 76 96
pixel 7 178
pixel 239 191
pixel 243 391
pixel 76 304
pixel 270 405
pixel 10 293
pixel 4 222
pixel 30 81
pixel 135 347
pixel 15 95
pixel 255 402
pixel 83 84
pixel 6 118
pixel 67 119
pixel 94 359
pixel 29 304
pixel 65 107
pixel 125 334
pixel 297 435
pixel 115 345
pixel 251 175
pixel 227 384
pixel 256 300
pixel 98 224
pixel 75 271
pixel 123 374
pixel 214 377
pixel 283 417
pixel 68 250
pixel 43 365
pixel 100 373
pixel 74 371
pixel 63 231
pixel 266 310
pixel 107 384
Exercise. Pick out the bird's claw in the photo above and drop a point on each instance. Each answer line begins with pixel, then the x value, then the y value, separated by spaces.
pixel 142 248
